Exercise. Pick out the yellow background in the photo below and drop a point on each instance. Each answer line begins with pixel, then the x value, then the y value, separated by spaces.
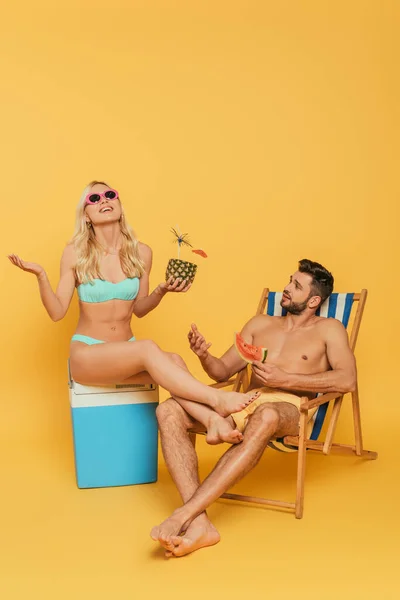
pixel 270 132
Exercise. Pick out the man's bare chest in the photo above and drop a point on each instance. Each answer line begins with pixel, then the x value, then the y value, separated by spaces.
pixel 301 350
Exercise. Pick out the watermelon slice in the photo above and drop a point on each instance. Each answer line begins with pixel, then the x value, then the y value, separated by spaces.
pixel 200 252
pixel 248 352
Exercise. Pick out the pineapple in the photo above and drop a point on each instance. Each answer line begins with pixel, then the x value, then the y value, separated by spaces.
pixel 180 268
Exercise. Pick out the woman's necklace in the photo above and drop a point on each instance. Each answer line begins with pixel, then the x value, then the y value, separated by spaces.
pixel 107 251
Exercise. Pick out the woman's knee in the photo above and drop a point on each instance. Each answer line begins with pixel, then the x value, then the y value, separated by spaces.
pixel 177 359
pixel 148 347
pixel 148 344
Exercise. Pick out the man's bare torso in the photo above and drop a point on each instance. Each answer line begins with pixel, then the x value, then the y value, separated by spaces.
pixel 301 350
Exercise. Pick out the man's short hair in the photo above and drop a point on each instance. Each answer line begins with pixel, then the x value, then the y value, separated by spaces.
pixel 322 279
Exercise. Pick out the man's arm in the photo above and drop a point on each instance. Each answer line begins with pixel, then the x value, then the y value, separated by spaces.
pixel 341 378
pixel 230 363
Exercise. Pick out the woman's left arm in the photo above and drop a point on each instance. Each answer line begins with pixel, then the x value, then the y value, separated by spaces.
pixel 146 302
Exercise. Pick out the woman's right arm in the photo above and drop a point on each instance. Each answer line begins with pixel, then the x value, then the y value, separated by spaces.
pixel 56 303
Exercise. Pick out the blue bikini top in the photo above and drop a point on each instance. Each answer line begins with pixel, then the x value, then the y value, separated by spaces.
pixel 102 291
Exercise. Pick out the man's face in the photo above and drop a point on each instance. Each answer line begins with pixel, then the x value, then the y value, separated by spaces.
pixel 297 293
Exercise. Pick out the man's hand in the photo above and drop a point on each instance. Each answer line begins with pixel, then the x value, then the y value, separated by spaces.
pixel 270 375
pixel 197 342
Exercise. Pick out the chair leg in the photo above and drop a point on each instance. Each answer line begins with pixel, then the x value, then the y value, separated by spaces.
pixel 332 425
pixel 301 465
pixel 357 422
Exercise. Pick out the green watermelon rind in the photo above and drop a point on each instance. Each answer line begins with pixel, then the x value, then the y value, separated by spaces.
pixel 250 360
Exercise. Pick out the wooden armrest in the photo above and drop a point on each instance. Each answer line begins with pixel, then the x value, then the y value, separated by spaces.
pixel 194 432
pixel 222 384
pixel 308 404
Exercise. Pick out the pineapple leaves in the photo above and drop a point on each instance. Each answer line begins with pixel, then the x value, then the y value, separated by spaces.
pixel 181 239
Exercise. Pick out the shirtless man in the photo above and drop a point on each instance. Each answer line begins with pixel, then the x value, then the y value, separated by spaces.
pixel 306 355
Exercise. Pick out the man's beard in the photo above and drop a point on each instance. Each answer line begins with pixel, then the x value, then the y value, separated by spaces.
pixel 296 308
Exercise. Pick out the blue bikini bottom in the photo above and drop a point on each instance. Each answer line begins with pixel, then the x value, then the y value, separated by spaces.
pixel 85 339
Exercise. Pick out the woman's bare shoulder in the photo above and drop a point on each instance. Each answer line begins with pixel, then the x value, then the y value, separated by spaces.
pixel 69 256
pixel 145 251
pixel 144 247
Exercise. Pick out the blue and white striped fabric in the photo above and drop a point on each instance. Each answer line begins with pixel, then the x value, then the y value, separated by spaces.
pixel 337 306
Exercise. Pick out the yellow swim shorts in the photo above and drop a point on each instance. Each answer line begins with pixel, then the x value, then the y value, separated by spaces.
pixel 266 395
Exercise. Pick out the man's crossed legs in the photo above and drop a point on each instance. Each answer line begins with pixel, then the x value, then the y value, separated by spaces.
pixel 188 528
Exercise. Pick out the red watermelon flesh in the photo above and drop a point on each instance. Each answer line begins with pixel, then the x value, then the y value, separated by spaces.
pixel 200 252
pixel 248 352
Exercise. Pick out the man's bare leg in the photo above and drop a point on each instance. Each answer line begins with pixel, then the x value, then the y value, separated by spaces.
pixel 181 459
pixel 269 420
pixel 219 429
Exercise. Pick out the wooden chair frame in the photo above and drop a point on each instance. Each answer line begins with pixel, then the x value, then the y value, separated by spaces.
pixel 242 380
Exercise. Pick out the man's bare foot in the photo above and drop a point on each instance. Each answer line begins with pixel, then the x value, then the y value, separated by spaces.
pixel 231 402
pixel 170 527
pixel 220 430
pixel 200 533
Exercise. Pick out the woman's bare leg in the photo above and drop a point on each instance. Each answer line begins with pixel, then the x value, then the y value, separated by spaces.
pixel 117 361
pixel 142 377
pixel 219 429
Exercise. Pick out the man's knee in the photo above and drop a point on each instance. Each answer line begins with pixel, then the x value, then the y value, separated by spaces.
pixel 167 410
pixel 268 417
pixel 278 418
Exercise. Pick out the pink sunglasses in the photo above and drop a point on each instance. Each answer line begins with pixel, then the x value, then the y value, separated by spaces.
pixel 95 198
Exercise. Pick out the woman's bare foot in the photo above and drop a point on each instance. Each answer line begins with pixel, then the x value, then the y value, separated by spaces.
pixel 200 533
pixel 220 430
pixel 231 402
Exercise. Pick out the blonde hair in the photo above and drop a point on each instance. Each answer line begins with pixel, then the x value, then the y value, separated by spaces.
pixel 89 251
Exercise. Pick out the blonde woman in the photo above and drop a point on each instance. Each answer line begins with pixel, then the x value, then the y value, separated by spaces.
pixel 110 269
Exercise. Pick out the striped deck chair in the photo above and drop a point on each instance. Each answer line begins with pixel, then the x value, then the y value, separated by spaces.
pixel 347 308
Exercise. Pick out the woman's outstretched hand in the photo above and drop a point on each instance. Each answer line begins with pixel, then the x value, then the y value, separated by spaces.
pixel 29 267
pixel 177 286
